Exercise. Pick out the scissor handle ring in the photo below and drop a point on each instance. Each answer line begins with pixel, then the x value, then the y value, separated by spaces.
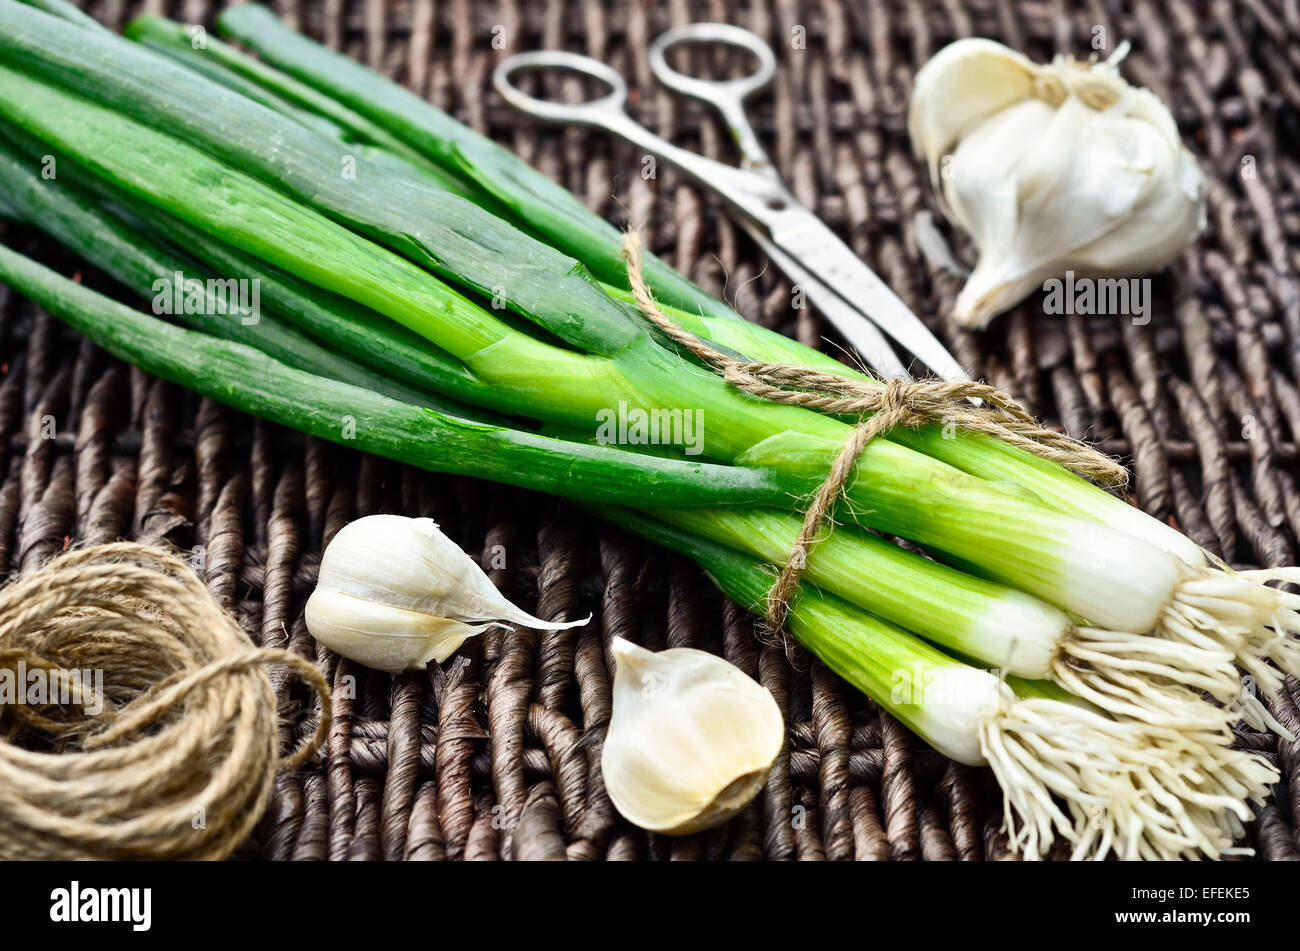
pixel 563 112
pixel 706 34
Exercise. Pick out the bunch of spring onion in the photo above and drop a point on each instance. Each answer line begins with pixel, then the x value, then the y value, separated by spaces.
pixel 425 284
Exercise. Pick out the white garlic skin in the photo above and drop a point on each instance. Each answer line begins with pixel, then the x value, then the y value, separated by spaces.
pixel 690 741
pixel 1063 167
pixel 394 593
pixel 381 636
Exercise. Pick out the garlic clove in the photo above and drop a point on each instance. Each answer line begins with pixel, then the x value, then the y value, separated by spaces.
pixel 690 741
pixel 1156 230
pixel 993 288
pixel 383 637
pixel 962 85
pixel 395 593
pixel 979 182
pixel 980 185
pixel 409 563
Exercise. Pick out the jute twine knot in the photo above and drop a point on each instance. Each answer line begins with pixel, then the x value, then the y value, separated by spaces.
pixel 155 735
pixel 882 408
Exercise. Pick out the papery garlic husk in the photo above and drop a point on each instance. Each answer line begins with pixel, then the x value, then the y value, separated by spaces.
pixel 690 741
pixel 395 593
pixel 1049 169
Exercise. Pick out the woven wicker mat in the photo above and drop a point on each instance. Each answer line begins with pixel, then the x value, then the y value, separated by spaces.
pixel 496 755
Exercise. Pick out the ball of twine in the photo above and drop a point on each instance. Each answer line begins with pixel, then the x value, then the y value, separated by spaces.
pixel 178 756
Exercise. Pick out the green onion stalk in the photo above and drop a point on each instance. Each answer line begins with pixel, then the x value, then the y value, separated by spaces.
pixel 459 151
pixel 297 101
pixel 976 453
pixel 427 128
pixel 550 211
pixel 1186 599
pixel 1144 677
pixel 1119 583
pixel 142 246
pixel 555 383
pixel 1233 611
pixel 1127 787
pixel 1152 679
pixel 246 379
pixel 379 111
pixel 147 267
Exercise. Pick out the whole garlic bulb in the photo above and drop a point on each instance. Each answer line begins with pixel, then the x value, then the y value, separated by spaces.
pixel 690 741
pixel 1056 168
pixel 395 593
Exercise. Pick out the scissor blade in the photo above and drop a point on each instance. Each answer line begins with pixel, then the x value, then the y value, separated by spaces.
pixel 860 333
pixel 814 247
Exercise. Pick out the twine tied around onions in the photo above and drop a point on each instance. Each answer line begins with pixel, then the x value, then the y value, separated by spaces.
pixel 882 407
pixel 174 752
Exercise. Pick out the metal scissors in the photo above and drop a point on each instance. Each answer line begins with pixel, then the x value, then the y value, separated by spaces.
pixel 855 300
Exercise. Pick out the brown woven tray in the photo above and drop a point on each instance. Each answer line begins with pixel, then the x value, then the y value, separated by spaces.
pixel 496 755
